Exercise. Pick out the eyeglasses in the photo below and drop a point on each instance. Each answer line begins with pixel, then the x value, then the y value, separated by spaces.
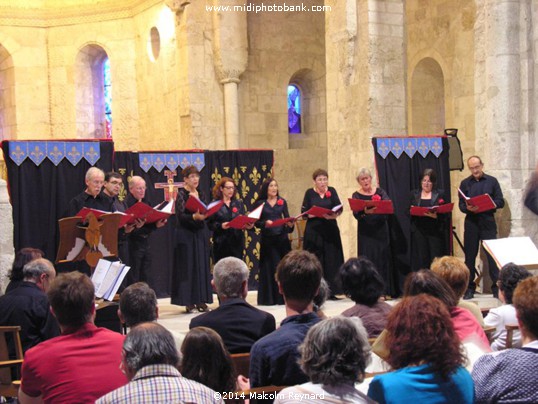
pixel 115 182
pixel 231 187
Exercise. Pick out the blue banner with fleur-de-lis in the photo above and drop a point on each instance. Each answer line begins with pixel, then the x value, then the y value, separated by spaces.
pixel 55 151
pixel 409 145
pixel 170 160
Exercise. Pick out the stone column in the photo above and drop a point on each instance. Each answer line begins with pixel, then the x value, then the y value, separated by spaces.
pixel 6 236
pixel 230 52
pixel 365 90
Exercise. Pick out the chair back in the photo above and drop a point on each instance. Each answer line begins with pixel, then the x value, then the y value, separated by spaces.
pixel 10 367
pixel 510 328
pixel 297 236
pixel 241 362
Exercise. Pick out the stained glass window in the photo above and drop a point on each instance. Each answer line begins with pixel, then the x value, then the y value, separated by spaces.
pixel 294 109
pixel 108 98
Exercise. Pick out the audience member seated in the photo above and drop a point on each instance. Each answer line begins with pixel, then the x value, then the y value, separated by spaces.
pixel 509 277
pixel 138 304
pixel 22 257
pixel 334 356
pixel 238 323
pixel 273 359
pixel 150 361
pixel 83 363
pixel 465 325
pixel 28 307
pixel 426 356
pixel 206 360
pixel 456 274
pixel 511 376
pixel 362 283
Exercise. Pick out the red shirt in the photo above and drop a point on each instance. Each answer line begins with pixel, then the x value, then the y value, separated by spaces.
pixel 80 366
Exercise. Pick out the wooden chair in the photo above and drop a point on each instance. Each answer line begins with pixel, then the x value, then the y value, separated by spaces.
pixel 510 328
pixel 297 236
pixel 489 331
pixel 241 362
pixel 9 385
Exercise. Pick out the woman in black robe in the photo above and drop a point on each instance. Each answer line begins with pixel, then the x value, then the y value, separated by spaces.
pixel 428 233
pixel 227 242
pixel 373 238
pixel 322 235
pixel 275 242
pixel 191 278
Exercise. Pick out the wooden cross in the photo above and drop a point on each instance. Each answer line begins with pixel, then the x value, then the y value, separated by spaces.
pixel 170 187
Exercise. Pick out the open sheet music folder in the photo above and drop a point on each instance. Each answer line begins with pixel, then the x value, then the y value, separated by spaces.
pixel 107 278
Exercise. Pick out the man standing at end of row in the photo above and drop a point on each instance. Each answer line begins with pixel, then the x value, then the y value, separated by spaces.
pixel 479 226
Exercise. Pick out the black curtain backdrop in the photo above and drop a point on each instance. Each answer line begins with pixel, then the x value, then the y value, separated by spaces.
pixel 40 195
pixel 247 168
pixel 399 176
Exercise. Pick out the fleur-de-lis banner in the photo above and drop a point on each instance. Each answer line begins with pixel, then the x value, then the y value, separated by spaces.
pixel 409 145
pixel 170 160
pixel 55 151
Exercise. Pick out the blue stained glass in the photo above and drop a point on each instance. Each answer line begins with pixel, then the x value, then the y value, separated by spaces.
pixel 108 97
pixel 294 109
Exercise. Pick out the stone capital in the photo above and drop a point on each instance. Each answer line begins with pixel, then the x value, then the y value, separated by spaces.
pixel 177 6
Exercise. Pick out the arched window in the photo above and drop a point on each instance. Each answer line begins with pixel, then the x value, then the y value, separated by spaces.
pixel 294 109
pixel 108 98
pixel 427 98
pixel 93 95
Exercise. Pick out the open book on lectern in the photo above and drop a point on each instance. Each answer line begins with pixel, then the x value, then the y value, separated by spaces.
pixel 107 278
pixel 519 250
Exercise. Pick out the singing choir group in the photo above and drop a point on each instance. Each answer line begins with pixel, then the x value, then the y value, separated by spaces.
pixel 191 280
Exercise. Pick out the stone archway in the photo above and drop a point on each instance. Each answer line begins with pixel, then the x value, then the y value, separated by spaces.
pixel 8 120
pixel 427 98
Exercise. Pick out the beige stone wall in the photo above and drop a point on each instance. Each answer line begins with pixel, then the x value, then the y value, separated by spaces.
pixel 284 48
pixel 444 30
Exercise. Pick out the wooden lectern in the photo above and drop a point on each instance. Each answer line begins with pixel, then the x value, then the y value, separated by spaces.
pixel 89 240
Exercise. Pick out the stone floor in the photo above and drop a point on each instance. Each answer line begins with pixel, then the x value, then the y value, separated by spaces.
pixel 175 319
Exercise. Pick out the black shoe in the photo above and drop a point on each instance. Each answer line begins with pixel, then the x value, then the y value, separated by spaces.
pixel 190 308
pixel 202 307
pixel 469 294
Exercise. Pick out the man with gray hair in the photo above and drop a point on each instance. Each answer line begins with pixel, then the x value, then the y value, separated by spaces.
pixel 28 307
pixel 92 197
pixel 238 323
pixel 150 360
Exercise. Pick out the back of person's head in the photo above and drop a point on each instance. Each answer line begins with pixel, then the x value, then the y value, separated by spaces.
pixel 526 304
pixel 138 304
pixel 426 281
pixel 335 351
pixel 453 271
pixel 229 275
pixel 149 344
pixel 420 331
pixel 361 282
pixel 206 360
pixel 509 277
pixel 299 275
pixel 40 266
pixel 23 257
pixel 71 296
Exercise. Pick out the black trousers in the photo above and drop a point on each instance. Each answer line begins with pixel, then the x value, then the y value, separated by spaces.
pixel 479 227
pixel 139 260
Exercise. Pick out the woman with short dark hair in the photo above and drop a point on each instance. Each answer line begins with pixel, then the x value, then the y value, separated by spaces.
pixel 322 235
pixel 362 283
pixel 191 278
pixel 498 317
pixel 334 356
pixel 426 356
pixel 428 233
